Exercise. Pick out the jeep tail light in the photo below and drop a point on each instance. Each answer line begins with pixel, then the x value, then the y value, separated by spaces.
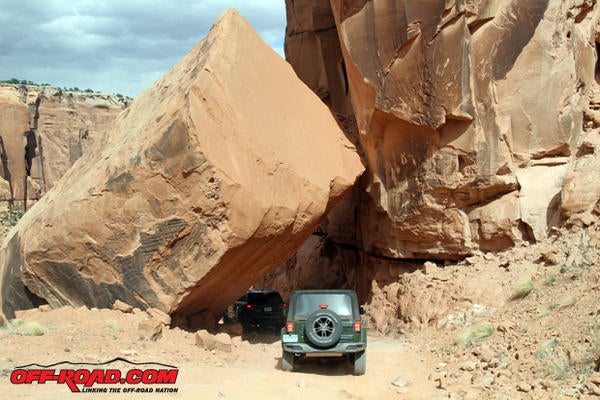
pixel 250 306
pixel 283 305
pixel 323 306
pixel 357 326
pixel 289 327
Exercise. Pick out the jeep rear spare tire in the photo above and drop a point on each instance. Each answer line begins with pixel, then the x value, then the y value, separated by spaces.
pixel 323 328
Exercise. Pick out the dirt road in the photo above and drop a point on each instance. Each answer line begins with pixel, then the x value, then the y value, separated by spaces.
pixel 258 372
pixel 395 368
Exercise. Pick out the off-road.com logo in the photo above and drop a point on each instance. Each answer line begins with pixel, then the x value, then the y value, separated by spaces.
pixel 83 379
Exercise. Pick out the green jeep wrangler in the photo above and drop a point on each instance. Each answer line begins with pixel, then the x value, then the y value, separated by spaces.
pixel 324 323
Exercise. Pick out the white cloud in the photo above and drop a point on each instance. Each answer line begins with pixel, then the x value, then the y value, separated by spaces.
pixel 115 45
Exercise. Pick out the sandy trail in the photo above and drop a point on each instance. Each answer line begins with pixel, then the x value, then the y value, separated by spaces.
pixel 260 375
pixel 251 370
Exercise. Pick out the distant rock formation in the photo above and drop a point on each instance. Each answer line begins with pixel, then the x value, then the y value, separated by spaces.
pixel 478 120
pixel 43 131
pixel 212 177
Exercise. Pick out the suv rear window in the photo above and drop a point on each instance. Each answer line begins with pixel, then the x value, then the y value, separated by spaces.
pixel 307 303
pixel 265 298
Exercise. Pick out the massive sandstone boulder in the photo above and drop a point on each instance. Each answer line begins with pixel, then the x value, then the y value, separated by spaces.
pixel 214 176
pixel 43 131
pixel 478 120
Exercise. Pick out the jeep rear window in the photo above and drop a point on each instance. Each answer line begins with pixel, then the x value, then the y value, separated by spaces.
pixel 308 303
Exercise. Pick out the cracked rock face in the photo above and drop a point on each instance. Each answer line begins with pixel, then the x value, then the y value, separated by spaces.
pixel 477 119
pixel 213 177
pixel 43 131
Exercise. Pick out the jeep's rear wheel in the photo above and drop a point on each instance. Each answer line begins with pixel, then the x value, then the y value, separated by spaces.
pixel 323 328
pixel 360 363
pixel 287 361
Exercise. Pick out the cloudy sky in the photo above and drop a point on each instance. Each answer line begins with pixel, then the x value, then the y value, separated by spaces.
pixel 115 46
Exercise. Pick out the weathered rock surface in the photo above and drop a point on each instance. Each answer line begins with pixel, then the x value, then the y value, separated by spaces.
pixel 219 342
pixel 43 131
pixel 123 307
pixel 150 328
pixel 478 119
pixel 214 176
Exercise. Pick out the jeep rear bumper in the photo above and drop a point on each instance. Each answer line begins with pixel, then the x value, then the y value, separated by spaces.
pixel 308 350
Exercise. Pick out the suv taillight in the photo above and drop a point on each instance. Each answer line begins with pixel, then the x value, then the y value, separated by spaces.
pixel 357 326
pixel 289 327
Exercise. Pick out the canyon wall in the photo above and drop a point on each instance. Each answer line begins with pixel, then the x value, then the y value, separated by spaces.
pixel 478 120
pixel 43 131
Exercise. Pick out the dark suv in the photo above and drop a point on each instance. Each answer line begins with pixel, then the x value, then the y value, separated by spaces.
pixel 261 308
pixel 324 323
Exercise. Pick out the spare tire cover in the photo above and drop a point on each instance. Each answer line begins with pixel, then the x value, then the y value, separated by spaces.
pixel 323 328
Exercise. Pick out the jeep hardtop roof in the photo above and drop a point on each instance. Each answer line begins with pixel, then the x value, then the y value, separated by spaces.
pixel 351 307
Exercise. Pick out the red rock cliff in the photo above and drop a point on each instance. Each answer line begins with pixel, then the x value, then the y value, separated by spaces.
pixel 43 131
pixel 477 119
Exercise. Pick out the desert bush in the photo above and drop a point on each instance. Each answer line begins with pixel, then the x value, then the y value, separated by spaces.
pixel 15 81
pixel 559 371
pixel 522 289
pixel 13 215
pixel 554 361
pixel 475 334
pixel 546 348
pixel 567 301
pixel 112 324
pixel 544 312
pixel 550 280
pixel 24 328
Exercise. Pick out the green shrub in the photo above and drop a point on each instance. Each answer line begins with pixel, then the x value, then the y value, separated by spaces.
pixel 555 362
pixel 523 289
pixel 24 328
pixel 567 301
pixel 475 334
pixel 112 324
pixel 546 348
pixel 550 280
pixel 13 215
pixel 559 371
